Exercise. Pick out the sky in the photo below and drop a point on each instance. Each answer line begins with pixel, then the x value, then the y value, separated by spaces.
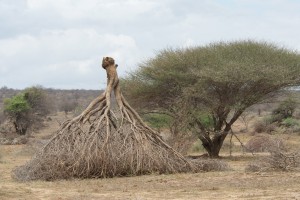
pixel 60 43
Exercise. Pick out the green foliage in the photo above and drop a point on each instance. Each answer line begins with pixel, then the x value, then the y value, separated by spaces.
pixel 158 121
pixel 18 111
pixel 16 105
pixel 285 110
pixel 206 120
pixel 290 122
pixel 222 79
pixel 234 75
pixel 26 108
pixel 37 99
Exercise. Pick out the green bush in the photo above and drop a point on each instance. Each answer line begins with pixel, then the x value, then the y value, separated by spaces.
pixel 18 110
pixel 158 121
pixel 206 120
pixel 284 110
pixel 38 100
pixel 16 105
pixel 296 129
pixel 290 122
pixel 27 109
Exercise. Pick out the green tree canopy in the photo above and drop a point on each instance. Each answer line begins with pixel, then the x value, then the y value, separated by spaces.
pixel 17 109
pixel 38 100
pixel 219 80
pixel 26 108
pixel 16 105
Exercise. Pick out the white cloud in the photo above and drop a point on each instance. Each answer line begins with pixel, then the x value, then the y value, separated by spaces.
pixel 61 43
pixel 64 45
pixel 81 67
pixel 94 9
pixel 72 52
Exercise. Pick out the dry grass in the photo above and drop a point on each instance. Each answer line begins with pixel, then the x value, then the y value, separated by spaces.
pixel 264 143
pixel 276 161
pixel 231 184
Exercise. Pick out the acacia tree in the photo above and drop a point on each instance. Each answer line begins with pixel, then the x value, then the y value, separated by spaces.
pixel 211 86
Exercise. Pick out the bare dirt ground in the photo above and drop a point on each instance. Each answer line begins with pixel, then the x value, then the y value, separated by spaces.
pixel 232 184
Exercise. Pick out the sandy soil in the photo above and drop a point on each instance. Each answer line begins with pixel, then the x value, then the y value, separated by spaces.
pixel 233 184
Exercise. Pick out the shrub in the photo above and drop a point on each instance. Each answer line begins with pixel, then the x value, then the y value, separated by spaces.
pixel 278 161
pixel 17 109
pixel 264 126
pixel 296 129
pixel 157 121
pixel 27 109
pixel 290 122
pixel 259 127
pixel 263 143
pixel 67 105
pixel 285 110
pixel 206 120
pixel 16 105
pixel 38 100
pixel 207 165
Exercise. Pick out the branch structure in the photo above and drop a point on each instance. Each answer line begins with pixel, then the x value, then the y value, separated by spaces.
pixel 101 142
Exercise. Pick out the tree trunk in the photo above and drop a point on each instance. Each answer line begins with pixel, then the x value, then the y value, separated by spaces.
pixel 20 129
pixel 213 145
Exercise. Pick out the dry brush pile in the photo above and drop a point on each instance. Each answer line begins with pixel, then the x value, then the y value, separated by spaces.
pixel 278 158
pixel 265 143
pixel 102 143
pixel 276 161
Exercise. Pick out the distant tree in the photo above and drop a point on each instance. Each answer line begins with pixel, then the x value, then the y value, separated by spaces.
pixel 18 111
pixel 208 88
pixel 27 109
pixel 285 109
pixel 38 100
pixel 68 105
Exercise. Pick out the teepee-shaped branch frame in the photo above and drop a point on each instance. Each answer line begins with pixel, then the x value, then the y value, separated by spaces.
pixel 102 143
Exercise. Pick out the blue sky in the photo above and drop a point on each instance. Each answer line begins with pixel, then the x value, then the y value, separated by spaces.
pixel 60 44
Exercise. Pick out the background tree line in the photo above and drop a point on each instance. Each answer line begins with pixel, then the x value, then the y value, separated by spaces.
pixel 27 109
